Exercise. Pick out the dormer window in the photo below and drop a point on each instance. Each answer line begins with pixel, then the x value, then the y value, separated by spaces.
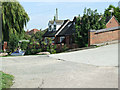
pixel 69 25
pixel 50 28
pixel 54 28
pixel 74 23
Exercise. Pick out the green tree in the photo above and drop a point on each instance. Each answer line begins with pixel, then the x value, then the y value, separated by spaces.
pixel 26 36
pixel 13 42
pixel 90 20
pixel 116 12
pixel 14 18
pixel 38 36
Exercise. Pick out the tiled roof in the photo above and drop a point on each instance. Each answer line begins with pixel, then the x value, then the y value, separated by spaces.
pixel 69 29
pixel 35 30
pixel 65 30
pixel 105 30
pixel 32 31
pixel 49 34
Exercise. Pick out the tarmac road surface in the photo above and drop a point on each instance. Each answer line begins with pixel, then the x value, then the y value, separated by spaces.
pixel 47 72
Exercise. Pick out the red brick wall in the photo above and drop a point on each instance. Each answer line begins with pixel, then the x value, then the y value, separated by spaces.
pixel 112 23
pixel 67 38
pixel 57 39
pixel 96 38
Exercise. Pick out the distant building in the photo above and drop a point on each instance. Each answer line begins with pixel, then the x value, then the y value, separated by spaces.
pixel 33 31
pixel 112 22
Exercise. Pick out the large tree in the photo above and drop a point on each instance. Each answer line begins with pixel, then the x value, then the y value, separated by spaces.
pixel 14 18
pixel 0 27
pixel 90 20
pixel 116 12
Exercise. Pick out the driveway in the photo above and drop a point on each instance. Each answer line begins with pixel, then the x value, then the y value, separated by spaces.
pixel 101 56
pixel 46 72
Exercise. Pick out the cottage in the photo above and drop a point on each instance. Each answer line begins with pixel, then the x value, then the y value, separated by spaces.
pixel 64 35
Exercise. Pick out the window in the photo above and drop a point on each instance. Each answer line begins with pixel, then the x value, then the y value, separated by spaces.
pixel 69 25
pixel 45 39
pixel 74 23
pixel 62 38
pixel 50 28
pixel 53 39
pixel 55 27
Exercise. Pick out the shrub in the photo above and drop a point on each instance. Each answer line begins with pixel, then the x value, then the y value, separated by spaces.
pixel 50 48
pixel 24 45
pixel 32 49
pixel 64 48
pixel 13 42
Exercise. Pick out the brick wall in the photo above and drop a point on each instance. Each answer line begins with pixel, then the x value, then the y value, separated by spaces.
pixel 103 36
pixel 67 38
pixel 112 23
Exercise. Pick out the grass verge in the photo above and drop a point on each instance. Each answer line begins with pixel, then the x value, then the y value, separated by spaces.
pixel 6 80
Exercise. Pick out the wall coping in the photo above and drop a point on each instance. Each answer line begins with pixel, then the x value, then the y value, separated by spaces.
pixel 105 30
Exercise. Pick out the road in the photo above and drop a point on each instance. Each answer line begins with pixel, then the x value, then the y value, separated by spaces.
pixel 47 72
pixel 101 56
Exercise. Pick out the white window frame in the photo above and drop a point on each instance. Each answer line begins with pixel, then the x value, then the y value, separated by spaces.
pixel 62 38
pixel 50 27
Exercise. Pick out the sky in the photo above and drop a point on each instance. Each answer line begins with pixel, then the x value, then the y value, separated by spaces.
pixel 41 12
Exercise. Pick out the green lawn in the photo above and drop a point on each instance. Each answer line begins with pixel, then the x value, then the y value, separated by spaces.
pixel 6 80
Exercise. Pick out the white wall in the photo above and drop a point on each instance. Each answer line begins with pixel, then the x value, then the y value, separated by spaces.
pixel 52 26
pixel 58 26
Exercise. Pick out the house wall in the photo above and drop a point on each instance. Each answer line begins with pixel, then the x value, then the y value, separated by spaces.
pixel 58 26
pixel 112 23
pixel 67 40
pixel 57 39
pixel 102 37
pixel 52 27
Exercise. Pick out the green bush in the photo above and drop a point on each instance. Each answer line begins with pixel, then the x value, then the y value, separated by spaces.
pixel 33 48
pixel 50 48
pixel 24 45
pixel 1 51
pixel 32 51
pixel 64 48
pixel 13 42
